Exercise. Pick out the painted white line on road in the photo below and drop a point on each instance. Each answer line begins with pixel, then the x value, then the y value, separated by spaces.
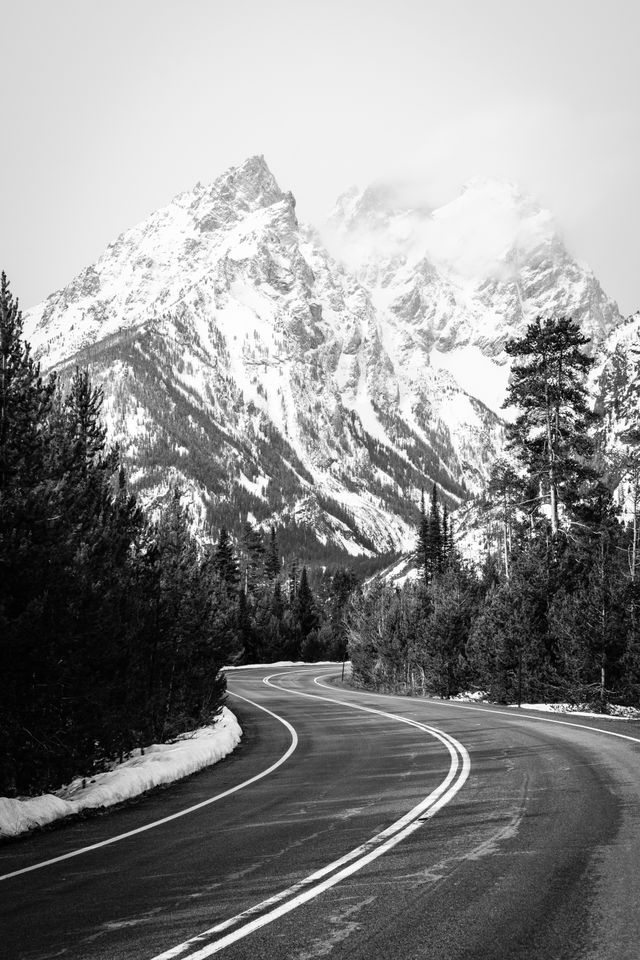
pixel 180 813
pixel 467 706
pixel 528 716
pixel 317 883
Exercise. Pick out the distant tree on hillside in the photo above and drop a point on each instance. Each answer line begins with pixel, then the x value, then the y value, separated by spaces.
pixel 225 561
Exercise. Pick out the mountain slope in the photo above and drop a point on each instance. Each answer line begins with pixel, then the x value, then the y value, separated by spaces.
pixel 240 358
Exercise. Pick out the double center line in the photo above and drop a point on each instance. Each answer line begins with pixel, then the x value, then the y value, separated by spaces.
pixel 223 934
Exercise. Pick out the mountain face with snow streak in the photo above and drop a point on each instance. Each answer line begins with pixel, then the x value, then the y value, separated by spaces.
pixel 615 382
pixel 241 359
pixel 467 275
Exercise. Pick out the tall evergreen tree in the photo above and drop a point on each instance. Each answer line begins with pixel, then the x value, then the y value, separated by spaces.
pixel 247 638
pixel 226 562
pixel 86 433
pixel 551 432
pixel 434 546
pixel 277 603
pixel 293 582
pixel 254 560
pixel 343 584
pixel 306 610
pixel 25 402
pixel 509 650
pixel 272 559
pixel 504 490
pixel 422 540
pixel 448 545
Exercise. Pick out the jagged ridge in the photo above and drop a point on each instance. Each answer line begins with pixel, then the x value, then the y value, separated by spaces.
pixel 237 355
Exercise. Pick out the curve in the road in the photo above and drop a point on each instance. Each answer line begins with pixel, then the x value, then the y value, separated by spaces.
pixel 210 941
pixel 180 813
pixel 467 706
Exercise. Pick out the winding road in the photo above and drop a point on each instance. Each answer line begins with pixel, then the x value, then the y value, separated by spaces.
pixel 353 825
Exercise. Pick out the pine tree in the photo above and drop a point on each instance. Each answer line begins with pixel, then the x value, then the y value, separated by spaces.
pixel 434 546
pixel 246 634
pixel 504 489
pixel 226 562
pixel 293 582
pixel 450 614
pixel 509 649
pixel 361 648
pixel 306 611
pixel 25 402
pixel 176 571
pixel 431 541
pixel 272 559
pixel 422 540
pixel 343 584
pixel 277 602
pixel 547 385
pixel 254 557
pixel 87 435
pixel 448 545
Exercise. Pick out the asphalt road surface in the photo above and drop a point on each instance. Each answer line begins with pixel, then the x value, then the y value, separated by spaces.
pixel 466 832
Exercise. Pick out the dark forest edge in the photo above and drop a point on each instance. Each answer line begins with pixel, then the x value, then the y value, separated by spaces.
pixel 115 625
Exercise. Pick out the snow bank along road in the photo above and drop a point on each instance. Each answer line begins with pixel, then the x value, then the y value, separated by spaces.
pixel 368 827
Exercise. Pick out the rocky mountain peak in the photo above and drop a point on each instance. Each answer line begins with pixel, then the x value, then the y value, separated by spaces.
pixel 240 190
pixel 148 268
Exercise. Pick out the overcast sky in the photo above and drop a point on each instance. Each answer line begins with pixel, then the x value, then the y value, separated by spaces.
pixel 111 108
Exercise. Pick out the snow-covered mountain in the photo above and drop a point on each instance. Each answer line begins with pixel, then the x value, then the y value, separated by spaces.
pixel 468 275
pixel 276 381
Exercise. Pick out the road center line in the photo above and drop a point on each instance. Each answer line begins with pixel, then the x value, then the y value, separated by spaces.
pixel 468 706
pixel 179 813
pixel 317 883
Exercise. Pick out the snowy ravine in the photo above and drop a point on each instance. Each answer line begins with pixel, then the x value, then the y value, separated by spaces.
pixel 318 391
pixel 160 763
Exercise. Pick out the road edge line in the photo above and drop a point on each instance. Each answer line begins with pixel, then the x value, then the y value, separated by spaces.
pixel 469 706
pixel 179 813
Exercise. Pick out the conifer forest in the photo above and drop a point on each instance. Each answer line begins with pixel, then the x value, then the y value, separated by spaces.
pixel 115 623
pixel 552 612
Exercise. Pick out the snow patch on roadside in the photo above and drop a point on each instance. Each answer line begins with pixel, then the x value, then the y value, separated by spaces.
pixel 615 710
pixel 161 763
pixel 473 696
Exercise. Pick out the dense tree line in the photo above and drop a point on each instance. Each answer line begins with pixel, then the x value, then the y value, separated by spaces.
pixel 111 634
pixel 552 614
pixel 114 626
pixel 281 611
